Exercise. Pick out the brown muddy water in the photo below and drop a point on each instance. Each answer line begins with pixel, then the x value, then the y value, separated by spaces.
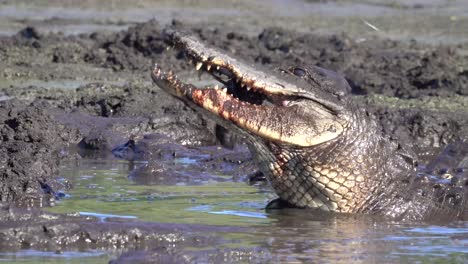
pixel 184 200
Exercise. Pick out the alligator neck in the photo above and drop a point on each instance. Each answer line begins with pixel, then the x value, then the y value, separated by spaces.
pixel 360 172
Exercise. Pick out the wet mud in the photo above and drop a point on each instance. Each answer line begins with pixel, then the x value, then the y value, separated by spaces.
pixel 417 91
pixel 146 242
pixel 32 145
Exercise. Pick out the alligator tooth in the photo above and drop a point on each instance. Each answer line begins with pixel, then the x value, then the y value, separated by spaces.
pixel 208 67
pixel 216 87
pixel 248 88
pixel 217 67
pixel 199 65
pixel 225 90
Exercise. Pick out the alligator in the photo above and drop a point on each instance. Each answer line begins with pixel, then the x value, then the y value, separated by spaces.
pixel 317 146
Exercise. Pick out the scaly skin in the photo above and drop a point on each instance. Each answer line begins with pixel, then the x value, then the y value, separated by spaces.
pixel 317 147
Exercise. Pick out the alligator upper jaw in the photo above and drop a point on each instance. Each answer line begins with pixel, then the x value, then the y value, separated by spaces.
pixel 256 101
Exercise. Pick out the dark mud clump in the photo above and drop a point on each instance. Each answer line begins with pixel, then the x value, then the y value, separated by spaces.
pixel 31 145
pixel 422 130
pixel 134 49
pixel 147 109
pixel 165 164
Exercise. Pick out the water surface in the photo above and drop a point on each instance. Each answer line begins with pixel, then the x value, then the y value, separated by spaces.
pixel 102 188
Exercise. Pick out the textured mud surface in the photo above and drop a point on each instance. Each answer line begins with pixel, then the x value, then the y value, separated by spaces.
pixel 147 242
pixel 68 96
pixel 31 147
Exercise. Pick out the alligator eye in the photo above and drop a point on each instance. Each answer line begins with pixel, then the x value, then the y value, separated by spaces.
pixel 299 72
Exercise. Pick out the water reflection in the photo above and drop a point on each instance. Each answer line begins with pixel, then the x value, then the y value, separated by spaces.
pixel 304 236
pixel 103 217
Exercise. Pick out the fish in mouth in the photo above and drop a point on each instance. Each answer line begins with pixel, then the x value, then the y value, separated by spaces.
pixel 317 147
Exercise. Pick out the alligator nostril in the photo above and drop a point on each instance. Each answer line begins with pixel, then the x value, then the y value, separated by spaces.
pixel 299 72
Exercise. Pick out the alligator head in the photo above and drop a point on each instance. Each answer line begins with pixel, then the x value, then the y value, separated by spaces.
pixel 316 146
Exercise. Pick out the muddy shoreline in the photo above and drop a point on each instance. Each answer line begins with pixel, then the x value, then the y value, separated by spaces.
pixel 417 92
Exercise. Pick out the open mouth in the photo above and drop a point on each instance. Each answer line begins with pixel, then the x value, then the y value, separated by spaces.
pixel 234 88
pixel 255 101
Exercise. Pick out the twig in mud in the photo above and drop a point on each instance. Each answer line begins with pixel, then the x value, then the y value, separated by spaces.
pixel 370 25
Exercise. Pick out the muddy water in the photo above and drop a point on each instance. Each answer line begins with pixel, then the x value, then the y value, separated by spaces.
pixel 103 189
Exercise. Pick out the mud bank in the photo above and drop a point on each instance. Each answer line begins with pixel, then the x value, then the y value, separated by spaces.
pixel 31 147
pixel 417 92
pixel 146 242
